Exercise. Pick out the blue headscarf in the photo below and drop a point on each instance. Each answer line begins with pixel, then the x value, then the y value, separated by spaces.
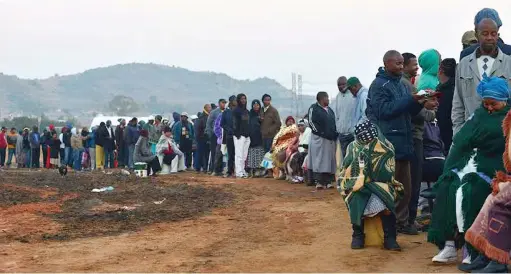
pixel 494 88
pixel 488 13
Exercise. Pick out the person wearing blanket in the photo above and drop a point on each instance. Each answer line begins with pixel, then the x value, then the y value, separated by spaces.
pixel 472 162
pixel 143 154
pixel 368 186
pixel 171 158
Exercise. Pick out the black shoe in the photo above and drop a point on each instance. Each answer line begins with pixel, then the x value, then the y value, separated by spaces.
pixel 358 237
pixel 478 263
pixel 389 232
pixel 409 229
pixel 493 267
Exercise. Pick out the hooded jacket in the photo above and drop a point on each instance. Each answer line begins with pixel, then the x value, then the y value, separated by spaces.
pixel 390 106
pixel 241 119
pixel 429 61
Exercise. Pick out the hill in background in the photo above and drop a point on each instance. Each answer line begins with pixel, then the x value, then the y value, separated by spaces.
pixel 155 88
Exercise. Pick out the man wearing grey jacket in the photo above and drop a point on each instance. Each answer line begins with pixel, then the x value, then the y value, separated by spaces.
pixel 486 61
pixel 211 133
pixel 345 104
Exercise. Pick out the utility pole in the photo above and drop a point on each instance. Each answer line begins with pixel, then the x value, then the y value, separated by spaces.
pixel 299 103
pixel 293 93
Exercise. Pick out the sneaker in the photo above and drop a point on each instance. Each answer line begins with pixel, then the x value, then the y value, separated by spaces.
pixel 227 175
pixel 446 255
pixel 216 174
pixel 320 186
pixel 329 186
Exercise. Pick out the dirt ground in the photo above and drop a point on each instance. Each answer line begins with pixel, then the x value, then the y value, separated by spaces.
pixel 201 224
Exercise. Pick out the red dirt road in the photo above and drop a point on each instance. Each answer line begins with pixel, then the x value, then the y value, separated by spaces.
pixel 271 227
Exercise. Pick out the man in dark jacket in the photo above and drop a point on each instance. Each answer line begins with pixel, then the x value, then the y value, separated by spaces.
pixel 68 151
pixel 241 131
pixel 492 14
pixel 211 133
pixel 390 106
pixel 202 140
pixel 323 143
pixel 270 122
pixel 447 77
pixel 109 145
pixel 184 136
pixel 35 146
pixel 122 148
pixel 132 136
pixel 228 138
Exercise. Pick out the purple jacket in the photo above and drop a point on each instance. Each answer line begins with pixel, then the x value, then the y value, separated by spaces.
pixel 218 129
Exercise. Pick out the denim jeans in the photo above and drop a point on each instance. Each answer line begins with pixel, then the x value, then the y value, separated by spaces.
pixel 68 160
pixel 77 159
pixel 11 153
pixel 109 158
pixel 35 156
pixel 28 157
pixel 131 151
pixel 62 154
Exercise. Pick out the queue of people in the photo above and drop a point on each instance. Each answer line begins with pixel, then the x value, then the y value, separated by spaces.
pixel 450 126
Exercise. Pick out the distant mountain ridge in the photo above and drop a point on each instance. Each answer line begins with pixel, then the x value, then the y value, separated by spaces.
pixel 156 88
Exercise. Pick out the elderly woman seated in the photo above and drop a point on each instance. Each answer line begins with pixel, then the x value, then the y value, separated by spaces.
pixel 367 184
pixel 294 165
pixel 172 160
pixel 473 159
pixel 491 230
pixel 143 154
pixel 285 143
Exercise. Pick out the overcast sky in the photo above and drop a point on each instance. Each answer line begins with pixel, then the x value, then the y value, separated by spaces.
pixel 247 39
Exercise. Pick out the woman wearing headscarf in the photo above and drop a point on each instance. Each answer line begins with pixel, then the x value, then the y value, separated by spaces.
pixel 171 158
pixel 429 61
pixel 472 161
pixel 256 150
pixel 241 132
pixel 490 231
pixel 368 186
pixel 143 154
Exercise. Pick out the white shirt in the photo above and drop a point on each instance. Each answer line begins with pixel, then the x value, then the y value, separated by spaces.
pixel 304 139
pixel 61 138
